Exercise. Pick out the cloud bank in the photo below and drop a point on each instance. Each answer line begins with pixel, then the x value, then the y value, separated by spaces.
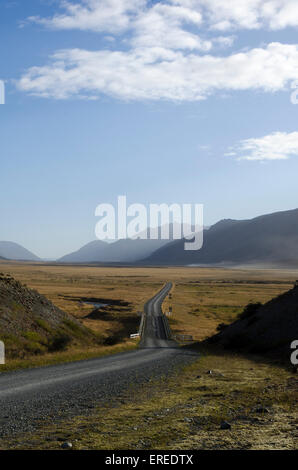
pixel 167 50
pixel 156 73
pixel 223 15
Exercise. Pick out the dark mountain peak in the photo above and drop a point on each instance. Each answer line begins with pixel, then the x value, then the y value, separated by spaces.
pixel 270 239
pixel 222 224
pixel 282 214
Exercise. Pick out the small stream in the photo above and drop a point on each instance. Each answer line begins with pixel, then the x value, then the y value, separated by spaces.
pixel 96 304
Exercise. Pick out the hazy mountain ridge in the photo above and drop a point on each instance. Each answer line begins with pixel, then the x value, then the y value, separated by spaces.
pixel 123 251
pixel 14 251
pixel 268 239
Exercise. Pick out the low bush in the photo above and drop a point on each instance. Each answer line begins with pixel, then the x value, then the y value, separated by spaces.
pixel 221 327
pixel 59 342
pixel 250 310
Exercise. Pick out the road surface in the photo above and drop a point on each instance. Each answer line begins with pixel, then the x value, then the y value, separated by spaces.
pixel 32 395
pixel 156 330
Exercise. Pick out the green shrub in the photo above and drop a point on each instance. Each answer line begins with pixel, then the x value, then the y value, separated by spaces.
pixel 59 342
pixel 250 310
pixel 11 341
pixel 221 327
pixel 43 324
pixel 111 340
pixel 16 308
pixel 34 348
pixel 33 336
pixel 75 329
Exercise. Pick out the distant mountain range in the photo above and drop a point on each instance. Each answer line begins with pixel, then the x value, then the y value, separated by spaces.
pixel 14 251
pixel 269 239
pixel 122 251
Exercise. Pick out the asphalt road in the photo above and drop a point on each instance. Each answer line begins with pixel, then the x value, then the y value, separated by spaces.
pixel 29 396
pixel 156 330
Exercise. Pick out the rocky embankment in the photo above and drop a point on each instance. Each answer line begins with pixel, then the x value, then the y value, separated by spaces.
pixel 32 324
pixel 267 329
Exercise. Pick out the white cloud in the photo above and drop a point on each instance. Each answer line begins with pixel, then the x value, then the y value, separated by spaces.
pixel 276 146
pixel 158 73
pixel 226 15
pixel 113 16
pixel 223 15
pixel 165 43
pixel 150 25
pixel 162 26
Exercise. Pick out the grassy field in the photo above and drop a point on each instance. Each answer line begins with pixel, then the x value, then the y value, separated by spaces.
pixel 199 306
pixel 201 299
pixel 185 410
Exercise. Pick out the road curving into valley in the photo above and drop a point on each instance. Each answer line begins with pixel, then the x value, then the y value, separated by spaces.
pixel 28 397
pixel 156 332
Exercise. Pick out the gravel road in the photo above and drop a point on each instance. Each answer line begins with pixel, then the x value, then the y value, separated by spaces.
pixel 28 397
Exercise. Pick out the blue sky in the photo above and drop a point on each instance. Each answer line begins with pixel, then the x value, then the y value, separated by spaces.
pixel 177 101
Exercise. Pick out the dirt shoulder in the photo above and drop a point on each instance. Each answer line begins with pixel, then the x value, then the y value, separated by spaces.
pixel 186 411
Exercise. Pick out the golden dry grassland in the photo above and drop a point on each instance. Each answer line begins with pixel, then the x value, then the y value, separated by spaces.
pixel 183 411
pixel 201 298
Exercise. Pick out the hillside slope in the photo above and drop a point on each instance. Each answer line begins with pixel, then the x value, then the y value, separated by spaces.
pixel 122 251
pixel 270 239
pixel 92 251
pixel 14 251
pixel 31 324
pixel 264 329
